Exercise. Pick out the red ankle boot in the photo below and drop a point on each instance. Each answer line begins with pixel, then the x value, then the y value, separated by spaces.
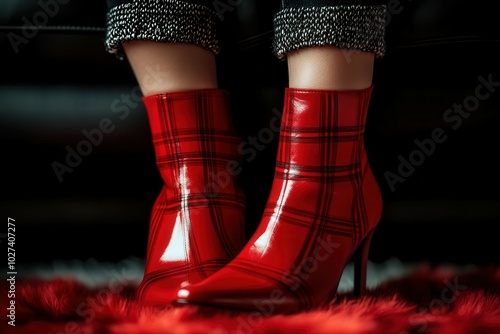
pixel 324 206
pixel 197 221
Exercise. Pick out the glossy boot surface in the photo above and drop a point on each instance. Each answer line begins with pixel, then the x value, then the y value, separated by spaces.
pixel 197 221
pixel 323 207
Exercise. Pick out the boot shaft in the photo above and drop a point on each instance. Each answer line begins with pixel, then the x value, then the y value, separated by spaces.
pixel 322 133
pixel 194 139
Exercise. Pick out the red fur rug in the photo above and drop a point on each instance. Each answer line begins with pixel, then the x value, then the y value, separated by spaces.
pixel 429 300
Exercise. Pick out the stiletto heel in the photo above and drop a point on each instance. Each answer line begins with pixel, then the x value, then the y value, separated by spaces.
pixel 360 265
pixel 324 204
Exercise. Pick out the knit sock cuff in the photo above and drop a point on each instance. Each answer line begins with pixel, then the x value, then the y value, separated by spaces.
pixel 161 21
pixel 357 27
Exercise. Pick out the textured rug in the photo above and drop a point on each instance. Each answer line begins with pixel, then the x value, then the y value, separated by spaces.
pixel 423 299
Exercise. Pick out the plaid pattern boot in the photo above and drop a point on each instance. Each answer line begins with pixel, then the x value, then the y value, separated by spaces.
pixel 323 207
pixel 197 221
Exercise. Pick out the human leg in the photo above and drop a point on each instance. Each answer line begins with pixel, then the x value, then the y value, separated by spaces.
pixel 197 221
pixel 324 203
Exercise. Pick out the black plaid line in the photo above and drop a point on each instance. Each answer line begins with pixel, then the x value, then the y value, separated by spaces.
pixel 275 277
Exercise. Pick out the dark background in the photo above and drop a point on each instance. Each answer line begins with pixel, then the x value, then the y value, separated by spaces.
pixel 60 81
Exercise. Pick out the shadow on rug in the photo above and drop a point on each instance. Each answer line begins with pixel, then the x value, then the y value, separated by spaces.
pixel 427 300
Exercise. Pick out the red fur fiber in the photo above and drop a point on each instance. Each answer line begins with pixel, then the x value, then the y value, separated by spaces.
pixel 427 300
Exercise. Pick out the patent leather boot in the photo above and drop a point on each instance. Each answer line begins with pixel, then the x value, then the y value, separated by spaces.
pixel 197 221
pixel 323 208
